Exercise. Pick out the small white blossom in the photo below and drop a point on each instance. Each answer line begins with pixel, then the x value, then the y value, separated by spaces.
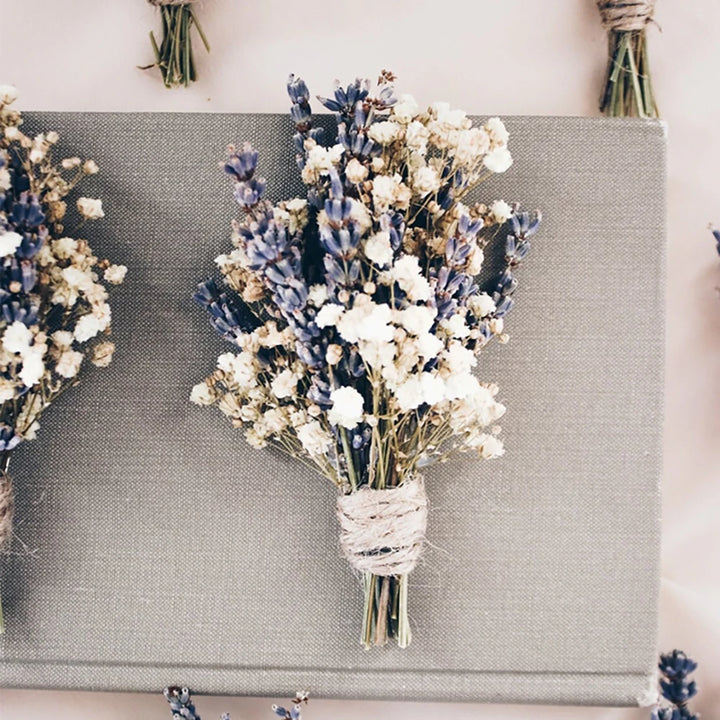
pixel 416 137
pixel 90 208
pixel 88 326
pixel 62 339
pixel 497 131
pixel 384 133
pixel 285 384
pixel 425 181
pixel 481 305
pixel 69 363
pixel 317 295
pixel 355 171
pixel 488 446
pixel 405 109
pixel 33 368
pixel 407 274
pixel 417 319
pixel 64 247
pixel 115 274
pixel 17 338
pixel 90 167
pixel 103 354
pixel 314 438
pixel 378 249
pixel 347 407
pixel 9 243
pixel 201 394
pixel 329 315
pixel 455 326
pixel 498 160
pixel 500 211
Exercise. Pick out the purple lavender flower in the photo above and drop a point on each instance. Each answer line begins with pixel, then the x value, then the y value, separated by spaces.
pixel 676 687
pixel 180 703
pixel 716 235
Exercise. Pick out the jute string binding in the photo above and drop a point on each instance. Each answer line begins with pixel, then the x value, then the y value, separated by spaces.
pixel 625 15
pixel 383 531
pixel 171 2
pixel 7 506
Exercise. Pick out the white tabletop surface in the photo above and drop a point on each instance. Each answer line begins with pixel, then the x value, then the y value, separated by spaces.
pixel 503 57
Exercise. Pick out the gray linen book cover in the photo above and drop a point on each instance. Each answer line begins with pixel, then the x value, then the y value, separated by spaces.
pixel 154 546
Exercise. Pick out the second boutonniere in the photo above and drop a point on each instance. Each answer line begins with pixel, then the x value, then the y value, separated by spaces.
pixel 358 318
pixel 53 296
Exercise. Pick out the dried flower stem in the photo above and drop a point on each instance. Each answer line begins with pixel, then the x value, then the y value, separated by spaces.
pixel 174 56
pixel 628 89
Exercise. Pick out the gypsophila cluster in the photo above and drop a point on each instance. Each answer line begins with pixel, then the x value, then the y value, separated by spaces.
pixel 53 295
pixel 356 312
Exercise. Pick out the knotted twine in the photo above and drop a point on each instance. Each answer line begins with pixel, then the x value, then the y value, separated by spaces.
pixel 625 15
pixel 171 2
pixel 383 531
pixel 7 506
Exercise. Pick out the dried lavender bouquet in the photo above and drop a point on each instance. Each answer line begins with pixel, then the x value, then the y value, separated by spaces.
pixel 358 320
pixel 54 310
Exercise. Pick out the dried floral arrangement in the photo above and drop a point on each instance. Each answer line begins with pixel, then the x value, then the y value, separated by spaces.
pixel 628 88
pixel 174 56
pixel 358 320
pixel 183 708
pixel 54 301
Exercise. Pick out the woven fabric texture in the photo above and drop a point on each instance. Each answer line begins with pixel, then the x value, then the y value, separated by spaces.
pixel 154 546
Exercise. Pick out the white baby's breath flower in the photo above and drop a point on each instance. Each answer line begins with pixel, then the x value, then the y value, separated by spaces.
pixel 90 167
pixel 69 363
pixel 17 338
pixel 378 249
pixel 201 394
pixel 360 215
pixel 405 109
pixel 225 362
pixel 347 407
pixel 367 320
pixel 103 354
pixel 88 326
pixel 498 160
pixel 285 384
pixel 407 274
pixel 500 211
pixel 425 181
pixel 455 326
pixel 499 135
pixel 355 171
pixel 384 133
pixel 76 278
pixel 9 243
pixel 115 274
pixel 416 137
pixel 314 438
pixel 90 209
pixel 488 446
pixel 8 94
pixel 390 191
pixel 33 368
pixel 70 163
pixel 317 295
pixel 329 315
pixel 429 345
pixel 470 145
pixel 64 247
pixel 417 319
pixel 333 354
pixel 481 305
pixel 62 339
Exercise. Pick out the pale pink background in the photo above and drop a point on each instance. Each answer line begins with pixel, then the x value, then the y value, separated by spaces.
pixel 502 57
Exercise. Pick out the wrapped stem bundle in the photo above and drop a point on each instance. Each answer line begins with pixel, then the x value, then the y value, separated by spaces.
pixel 53 304
pixel 174 56
pixel 359 318
pixel 628 88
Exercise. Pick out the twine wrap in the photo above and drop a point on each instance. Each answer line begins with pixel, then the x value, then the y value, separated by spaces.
pixel 7 507
pixel 625 15
pixel 157 3
pixel 383 531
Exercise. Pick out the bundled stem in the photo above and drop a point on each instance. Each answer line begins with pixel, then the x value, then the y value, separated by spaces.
pixel 628 88
pixel 174 55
